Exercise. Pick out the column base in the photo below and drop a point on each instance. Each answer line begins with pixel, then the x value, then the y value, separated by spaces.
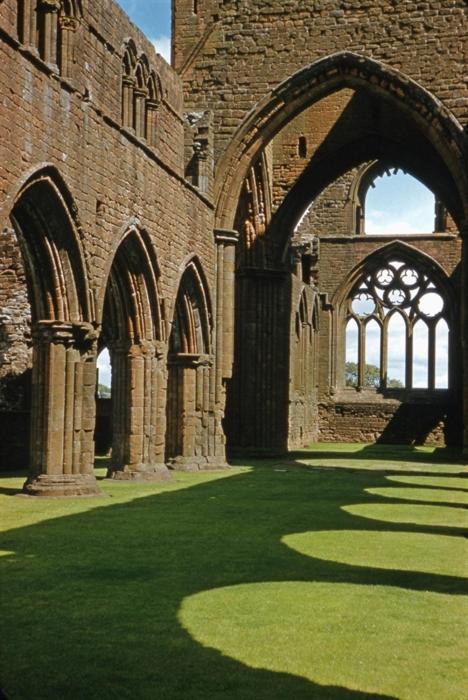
pixel 60 485
pixel 196 464
pixel 141 472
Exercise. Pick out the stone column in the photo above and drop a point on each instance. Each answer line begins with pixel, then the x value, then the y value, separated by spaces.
pixel 68 27
pixel 28 26
pixel 139 112
pixel 226 241
pixel 138 390
pixel 128 84
pixel 195 434
pixel 63 410
pixel 48 10
pixel 464 334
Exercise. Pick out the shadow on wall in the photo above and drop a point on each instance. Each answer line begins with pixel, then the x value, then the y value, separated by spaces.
pixel 15 412
pixel 420 424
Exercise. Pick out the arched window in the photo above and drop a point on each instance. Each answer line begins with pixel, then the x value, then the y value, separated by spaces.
pixel 128 84
pixel 391 202
pixel 139 97
pixel 153 88
pixel 397 327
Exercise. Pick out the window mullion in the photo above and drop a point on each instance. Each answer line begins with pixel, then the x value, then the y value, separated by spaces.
pixel 362 356
pixel 409 355
pixel 384 355
pixel 431 358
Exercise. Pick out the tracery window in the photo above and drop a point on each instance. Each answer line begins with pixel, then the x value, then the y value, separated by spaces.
pixel 397 328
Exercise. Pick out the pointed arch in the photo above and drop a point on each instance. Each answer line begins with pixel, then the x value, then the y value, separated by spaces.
pixel 129 58
pixel 132 306
pixel 192 319
pixel 395 282
pixel 129 62
pixel 154 96
pixel 154 87
pixel 443 136
pixel 45 218
pixel 395 250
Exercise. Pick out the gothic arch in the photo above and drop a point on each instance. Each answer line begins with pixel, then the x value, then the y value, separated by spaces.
pixel 192 315
pixel 134 333
pixel 132 307
pixel 64 338
pixel 189 408
pixel 45 219
pixel 344 69
pixel 390 251
pixel 423 277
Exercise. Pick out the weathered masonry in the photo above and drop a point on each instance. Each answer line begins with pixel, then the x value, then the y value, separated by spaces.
pixel 206 225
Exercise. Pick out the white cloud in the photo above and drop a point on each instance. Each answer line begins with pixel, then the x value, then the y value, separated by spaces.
pixel 393 228
pixel 162 44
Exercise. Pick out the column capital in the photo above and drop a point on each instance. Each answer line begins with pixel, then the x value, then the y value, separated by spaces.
pixel 49 5
pixel 153 105
pixel 225 236
pixel 68 23
pixel 65 333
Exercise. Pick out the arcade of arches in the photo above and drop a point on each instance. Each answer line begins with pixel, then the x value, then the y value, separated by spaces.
pixel 208 225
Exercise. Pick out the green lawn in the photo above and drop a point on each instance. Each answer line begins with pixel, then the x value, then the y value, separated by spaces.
pixel 340 572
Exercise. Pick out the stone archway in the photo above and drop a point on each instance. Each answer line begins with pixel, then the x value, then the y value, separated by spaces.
pixel 64 338
pixel 322 78
pixel 193 438
pixel 133 329
pixel 383 116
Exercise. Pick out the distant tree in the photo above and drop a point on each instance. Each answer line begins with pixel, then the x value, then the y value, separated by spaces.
pixel 371 376
pixel 103 391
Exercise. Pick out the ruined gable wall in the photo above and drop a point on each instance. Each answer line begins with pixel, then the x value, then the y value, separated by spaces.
pixel 232 53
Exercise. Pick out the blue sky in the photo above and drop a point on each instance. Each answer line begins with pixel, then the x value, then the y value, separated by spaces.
pixel 153 17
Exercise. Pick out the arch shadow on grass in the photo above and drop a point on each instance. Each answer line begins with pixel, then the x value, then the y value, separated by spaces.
pixel 92 598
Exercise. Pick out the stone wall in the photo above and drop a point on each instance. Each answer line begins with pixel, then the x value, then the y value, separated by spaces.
pixel 71 124
pixel 231 54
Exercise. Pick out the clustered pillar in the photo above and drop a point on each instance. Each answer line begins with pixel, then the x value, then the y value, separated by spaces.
pixel 138 396
pixel 63 410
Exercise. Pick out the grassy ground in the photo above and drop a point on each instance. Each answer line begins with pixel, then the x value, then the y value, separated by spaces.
pixel 340 572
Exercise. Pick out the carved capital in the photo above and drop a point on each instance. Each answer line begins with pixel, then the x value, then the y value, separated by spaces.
pixel 224 236
pixel 309 247
pixel 82 335
pixel 69 24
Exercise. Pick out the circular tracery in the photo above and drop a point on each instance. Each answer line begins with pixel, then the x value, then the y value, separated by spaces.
pixel 396 285
pixel 386 293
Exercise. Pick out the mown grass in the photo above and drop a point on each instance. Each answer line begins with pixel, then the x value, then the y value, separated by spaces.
pixel 340 572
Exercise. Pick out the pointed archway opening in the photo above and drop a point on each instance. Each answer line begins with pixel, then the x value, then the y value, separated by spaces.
pixel 133 332
pixel 192 440
pixel 302 140
pixel 63 339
